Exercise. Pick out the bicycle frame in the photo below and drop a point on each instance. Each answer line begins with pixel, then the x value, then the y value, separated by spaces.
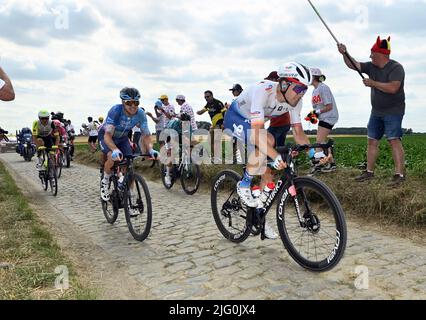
pixel 286 183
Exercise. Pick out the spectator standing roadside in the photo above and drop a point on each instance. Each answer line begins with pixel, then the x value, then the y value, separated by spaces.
pixel 325 108
pixel 93 134
pixel 386 81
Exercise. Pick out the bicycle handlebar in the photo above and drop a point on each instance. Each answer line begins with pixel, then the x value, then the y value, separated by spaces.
pixel 300 147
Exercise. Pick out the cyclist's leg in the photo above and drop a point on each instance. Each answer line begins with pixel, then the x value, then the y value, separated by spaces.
pixel 236 125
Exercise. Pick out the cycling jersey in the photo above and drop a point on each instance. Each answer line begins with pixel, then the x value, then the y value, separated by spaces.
pixel 186 108
pixel 39 130
pixel 215 110
pixel 259 103
pixel 121 124
pixel 62 133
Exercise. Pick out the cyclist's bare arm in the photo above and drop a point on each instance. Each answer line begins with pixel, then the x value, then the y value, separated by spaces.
pixel 6 91
pixel 260 140
pixel 109 132
pixel 299 135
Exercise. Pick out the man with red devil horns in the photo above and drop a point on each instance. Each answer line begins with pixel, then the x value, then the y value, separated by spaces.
pixel 386 80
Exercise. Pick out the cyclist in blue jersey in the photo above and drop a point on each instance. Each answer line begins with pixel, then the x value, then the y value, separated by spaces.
pixel 113 136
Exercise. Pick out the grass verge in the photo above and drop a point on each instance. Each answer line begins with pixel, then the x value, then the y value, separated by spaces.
pixel 28 253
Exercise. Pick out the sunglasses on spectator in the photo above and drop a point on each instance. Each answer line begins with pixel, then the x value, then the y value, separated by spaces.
pixel 131 102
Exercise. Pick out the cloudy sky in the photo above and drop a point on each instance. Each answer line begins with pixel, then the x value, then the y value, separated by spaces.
pixel 75 56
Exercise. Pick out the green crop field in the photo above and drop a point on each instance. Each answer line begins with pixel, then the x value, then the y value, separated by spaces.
pixel 351 152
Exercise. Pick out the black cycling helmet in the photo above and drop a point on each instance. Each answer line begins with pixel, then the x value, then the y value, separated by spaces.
pixel 185 117
pixel 129 94
pixel 26 130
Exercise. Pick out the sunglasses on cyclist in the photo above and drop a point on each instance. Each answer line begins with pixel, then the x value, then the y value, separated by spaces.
pixel 131 102
pixel 45 118
pixel 299 89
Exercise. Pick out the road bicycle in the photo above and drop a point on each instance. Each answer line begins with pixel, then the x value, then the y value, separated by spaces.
pixel 48 172
pixel 189 174
pixel 310 218
pixel 129 191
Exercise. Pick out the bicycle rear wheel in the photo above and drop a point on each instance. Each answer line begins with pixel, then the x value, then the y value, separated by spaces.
pixel 190 178
pixel 318 242
pixel 230 215
pixel 138 208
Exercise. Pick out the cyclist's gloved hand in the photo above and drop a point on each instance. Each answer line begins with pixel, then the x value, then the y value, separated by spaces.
pixel 153 153
pixel 279 163
pixel 311 153
pixel 117 155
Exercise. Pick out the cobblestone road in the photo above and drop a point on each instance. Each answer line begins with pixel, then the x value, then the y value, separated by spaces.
pixel 185 257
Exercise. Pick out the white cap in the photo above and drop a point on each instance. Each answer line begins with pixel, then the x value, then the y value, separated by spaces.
pixel 316 72
pixel 180 97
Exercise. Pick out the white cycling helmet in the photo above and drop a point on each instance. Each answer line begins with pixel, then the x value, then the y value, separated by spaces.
pixel 295 72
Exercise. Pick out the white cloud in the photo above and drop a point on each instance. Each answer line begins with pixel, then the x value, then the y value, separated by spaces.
pixel 187 47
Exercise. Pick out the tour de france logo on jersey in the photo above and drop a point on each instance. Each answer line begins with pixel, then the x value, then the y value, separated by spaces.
pixel 316 99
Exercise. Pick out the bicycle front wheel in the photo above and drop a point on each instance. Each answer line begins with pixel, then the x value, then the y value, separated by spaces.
pixel 163 169
pixel 53 179
pixel 67 158
pixel 190 178
pixel 230 215
pixel 110 208
pixel 318 241
pixel 59 163
pixel 138 208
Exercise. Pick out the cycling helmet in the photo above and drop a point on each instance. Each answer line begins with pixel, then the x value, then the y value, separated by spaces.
pixel 101 119
pixel 129 94
pixel 43 114
pixel 296 73
pixel 26 130
pixel 57 123
pixel 185 117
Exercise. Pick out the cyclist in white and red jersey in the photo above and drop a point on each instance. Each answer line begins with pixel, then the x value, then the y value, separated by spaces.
pixel 256 105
